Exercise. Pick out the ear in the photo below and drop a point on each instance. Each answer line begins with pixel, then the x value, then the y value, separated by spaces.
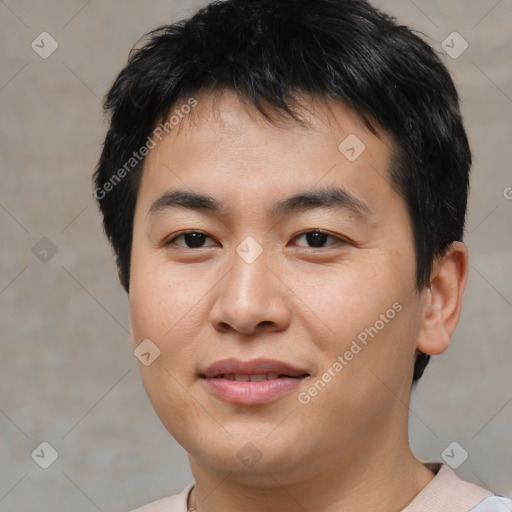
pixel 443 299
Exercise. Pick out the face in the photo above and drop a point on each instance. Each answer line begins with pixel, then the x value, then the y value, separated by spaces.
pixel 283 303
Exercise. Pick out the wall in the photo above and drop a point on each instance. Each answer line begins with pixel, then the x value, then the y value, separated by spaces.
pixel 67 375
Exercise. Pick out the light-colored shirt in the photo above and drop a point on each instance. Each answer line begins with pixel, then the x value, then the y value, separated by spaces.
pixel 446 492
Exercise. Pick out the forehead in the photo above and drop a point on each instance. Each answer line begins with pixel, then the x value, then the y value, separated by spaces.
pixel 225 146
pixel 223 115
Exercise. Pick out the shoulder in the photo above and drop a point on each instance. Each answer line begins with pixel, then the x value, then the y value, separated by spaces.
pixel 449 492
pixel 176 503
pixel 493 504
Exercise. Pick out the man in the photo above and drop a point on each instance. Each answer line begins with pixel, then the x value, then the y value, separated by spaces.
pixel 284 184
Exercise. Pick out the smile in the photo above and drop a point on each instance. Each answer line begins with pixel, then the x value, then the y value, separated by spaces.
pixel 252 382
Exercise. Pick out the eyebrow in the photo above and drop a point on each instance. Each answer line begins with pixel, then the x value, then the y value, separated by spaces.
pixel 330 197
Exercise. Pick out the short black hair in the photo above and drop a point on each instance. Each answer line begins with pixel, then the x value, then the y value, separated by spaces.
pixel 272 53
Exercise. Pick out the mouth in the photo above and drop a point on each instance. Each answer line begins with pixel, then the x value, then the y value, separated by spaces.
pixel 251 382
pixel 244 377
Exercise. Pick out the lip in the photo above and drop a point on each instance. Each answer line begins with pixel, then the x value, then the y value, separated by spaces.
pixel 218 379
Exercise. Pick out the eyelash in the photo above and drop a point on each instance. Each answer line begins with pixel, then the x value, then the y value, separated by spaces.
pixel 170 241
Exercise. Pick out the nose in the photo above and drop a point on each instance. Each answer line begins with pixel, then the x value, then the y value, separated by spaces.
pixel 251 299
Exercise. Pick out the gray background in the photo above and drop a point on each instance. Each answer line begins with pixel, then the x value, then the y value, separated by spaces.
pixel 67 375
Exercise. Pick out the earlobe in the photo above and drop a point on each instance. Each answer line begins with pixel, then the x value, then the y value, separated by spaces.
pixel 443 299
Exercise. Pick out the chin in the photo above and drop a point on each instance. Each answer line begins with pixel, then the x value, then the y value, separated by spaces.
pixel 249 457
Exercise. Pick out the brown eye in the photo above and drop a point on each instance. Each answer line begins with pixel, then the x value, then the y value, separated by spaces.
pixel 317 238
pixel 192 239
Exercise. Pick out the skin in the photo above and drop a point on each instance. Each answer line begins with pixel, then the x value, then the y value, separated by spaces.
pixel 347 449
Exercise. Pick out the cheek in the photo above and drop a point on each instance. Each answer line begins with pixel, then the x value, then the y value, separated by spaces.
pixel 365 315
pixel 165 308
pixel 162 310
pixel 339 303
pixel 154 298
pixel 377 360
pixel 174 404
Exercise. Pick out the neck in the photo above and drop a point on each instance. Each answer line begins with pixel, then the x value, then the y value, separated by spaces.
pixel 386 480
